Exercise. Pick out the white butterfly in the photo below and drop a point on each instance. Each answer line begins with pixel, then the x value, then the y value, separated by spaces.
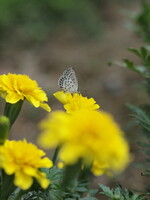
pixel 68 81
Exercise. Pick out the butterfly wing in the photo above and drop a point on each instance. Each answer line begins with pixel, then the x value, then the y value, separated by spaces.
pixel 68 81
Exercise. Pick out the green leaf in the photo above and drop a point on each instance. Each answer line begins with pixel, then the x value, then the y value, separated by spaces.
pixel 144 52
pixel 135 51
pixel 120 194
pixel 117 193
pixel 54 194
pixel 140 113
pixel 81 189
pixel 88 198
pixel 129 64
pixel 53 174
pixel 148 58
pixel 106 190
pixel 93 192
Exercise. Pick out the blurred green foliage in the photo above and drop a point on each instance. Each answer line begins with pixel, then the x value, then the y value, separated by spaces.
pixel 143 21
pixel 144 68
pixel 36 19
pixel 120 194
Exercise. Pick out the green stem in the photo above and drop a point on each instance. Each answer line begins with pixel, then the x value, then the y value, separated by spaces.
pixel 55 155
pixel 71 174
pixel 7 186
pixel 12 111
pixel 85 172
pixel 4 128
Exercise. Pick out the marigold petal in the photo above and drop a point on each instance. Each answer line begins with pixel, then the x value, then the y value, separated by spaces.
pixel 13 98
pixel 87 134
pixel 15 87
pixel 33 101
pixel 45 106
pixel 3 94
pixel 43 140
pixel 99 168
pixel 6 82
pixel 30 171
pixel 76 102
pixel 23 181
pixel 24 159
pixel 43 181
pixel 62 96
pixel 10 169
pixel 71 157
pixel 46 162
pixel 60 165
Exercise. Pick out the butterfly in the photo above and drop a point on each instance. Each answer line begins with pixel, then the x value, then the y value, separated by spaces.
pixel 68 81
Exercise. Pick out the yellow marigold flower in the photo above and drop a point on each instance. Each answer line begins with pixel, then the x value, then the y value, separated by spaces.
pixel 24 160
pixel 90 135
pixel 15 87
pixel 75 102
pixel 62 96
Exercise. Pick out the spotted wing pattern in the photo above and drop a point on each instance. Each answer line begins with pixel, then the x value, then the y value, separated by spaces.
pixel 68 81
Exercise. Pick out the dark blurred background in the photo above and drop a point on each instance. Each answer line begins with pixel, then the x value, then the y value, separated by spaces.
pixel 43 38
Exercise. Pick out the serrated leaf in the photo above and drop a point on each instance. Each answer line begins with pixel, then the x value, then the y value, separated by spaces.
pixel 129 64
pixel 53 195
pixel 144 52
pixel 83 183
pixel 148 58
pixel 81 189
pixel 88 198
pixel 106 190
pixel 117 192
pixel 135 51
pixel 75 194
pixel 69 198
pixel 55 174
pixel 93 192
pixel 140 115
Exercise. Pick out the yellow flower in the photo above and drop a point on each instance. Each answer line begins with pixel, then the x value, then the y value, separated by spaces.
pixel 93 136
pixel 76 102
pixel 15 87
pixel 24 160
pixel 62 96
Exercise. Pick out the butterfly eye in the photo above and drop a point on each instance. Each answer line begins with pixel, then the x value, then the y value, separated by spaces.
pixel 68 81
